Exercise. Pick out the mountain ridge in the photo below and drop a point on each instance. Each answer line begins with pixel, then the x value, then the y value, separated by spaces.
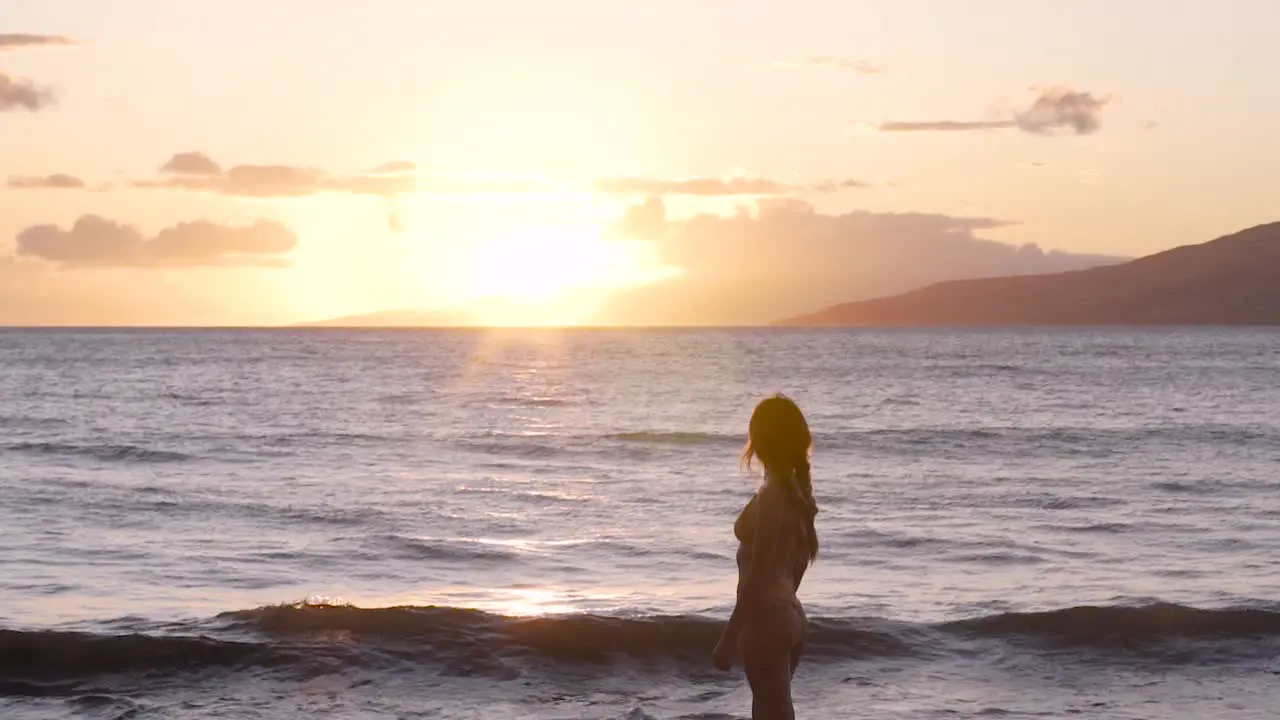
pixel 1231 280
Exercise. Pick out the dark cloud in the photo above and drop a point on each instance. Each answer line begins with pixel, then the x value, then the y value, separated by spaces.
pixel 786 258
pixel 833 62
pixel 1062 108
pixel 13 41
pixel 57 181
pixel 1054 109
pixel 94 241
pixel 22 94
pixel 197 172
pixel 713 187
pixel 191 163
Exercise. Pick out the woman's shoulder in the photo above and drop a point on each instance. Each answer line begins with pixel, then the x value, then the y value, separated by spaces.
pixel 770 491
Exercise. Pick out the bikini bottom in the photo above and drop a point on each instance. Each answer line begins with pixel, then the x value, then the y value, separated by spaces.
pixel 776 624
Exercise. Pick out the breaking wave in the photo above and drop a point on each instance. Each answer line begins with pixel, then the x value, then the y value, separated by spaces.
pixel 471 642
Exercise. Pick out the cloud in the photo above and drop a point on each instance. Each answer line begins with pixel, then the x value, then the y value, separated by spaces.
pixel 13 41
pixel 195 171
pixel 831 62
pixel 715 187
pixel 191 163
pixel 94 241
pixel 383 185
pixel 22 94
pixel 831 186
pixel 394 167
pixel 1058 108
pixel 203 242
pixel 946 126
pixel 1053 109
pixel 785 258
pixel 273 181
pixel 647 220
pixel 57 181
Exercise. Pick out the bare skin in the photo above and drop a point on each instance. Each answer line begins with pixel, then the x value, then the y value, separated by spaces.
pixel 768 622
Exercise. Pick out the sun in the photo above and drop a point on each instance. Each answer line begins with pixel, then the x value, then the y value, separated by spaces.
pixel 553 274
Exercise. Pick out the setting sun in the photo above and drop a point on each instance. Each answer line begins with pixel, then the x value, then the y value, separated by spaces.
pixel 552 274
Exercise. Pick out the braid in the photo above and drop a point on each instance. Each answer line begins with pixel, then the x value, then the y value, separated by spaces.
pixel 804 484
pixel 803 479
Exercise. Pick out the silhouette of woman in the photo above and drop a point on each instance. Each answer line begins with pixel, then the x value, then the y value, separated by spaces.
pixel 777 541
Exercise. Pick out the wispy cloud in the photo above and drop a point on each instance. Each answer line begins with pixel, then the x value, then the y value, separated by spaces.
pixel 194 171
pixel 831 62
pixel 717 187
pixel 22 94
pixel 94 241
pixel 946 126
pixel 14 41
pixel 57 181
pixel 1053 109
pixel 832 186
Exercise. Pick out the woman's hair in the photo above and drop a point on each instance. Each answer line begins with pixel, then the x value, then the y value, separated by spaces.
pixel 779 436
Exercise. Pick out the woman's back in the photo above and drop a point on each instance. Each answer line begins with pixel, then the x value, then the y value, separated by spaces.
pixel 784 545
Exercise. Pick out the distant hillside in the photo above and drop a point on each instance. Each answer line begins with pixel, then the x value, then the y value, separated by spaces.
pixel 1234 280
pixel 397 318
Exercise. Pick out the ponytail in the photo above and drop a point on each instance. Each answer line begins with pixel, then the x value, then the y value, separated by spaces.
pixel 804 485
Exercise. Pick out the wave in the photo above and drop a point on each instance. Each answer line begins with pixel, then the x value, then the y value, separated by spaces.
pixel 423 548
pixel 675 437
pixel 49 655
pixel 304 637
pixel 1118 625
pixel 109 452
pixel 26 421
pixel 536 402
pixel 1063 440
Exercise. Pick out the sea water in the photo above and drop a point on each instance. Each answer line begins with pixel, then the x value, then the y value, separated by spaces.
pixel 538 524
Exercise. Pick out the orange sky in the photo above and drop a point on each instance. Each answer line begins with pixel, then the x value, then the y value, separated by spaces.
pixel 607 162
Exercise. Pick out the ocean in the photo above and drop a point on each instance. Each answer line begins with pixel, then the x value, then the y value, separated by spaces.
pixel 1015 523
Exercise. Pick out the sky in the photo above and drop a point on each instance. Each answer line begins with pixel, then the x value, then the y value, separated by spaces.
pixel 605 162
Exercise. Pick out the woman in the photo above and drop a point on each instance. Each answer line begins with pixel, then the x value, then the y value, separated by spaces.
pixel 777 542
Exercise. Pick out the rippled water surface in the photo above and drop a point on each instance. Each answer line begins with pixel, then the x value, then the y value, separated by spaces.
pixel 538 524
